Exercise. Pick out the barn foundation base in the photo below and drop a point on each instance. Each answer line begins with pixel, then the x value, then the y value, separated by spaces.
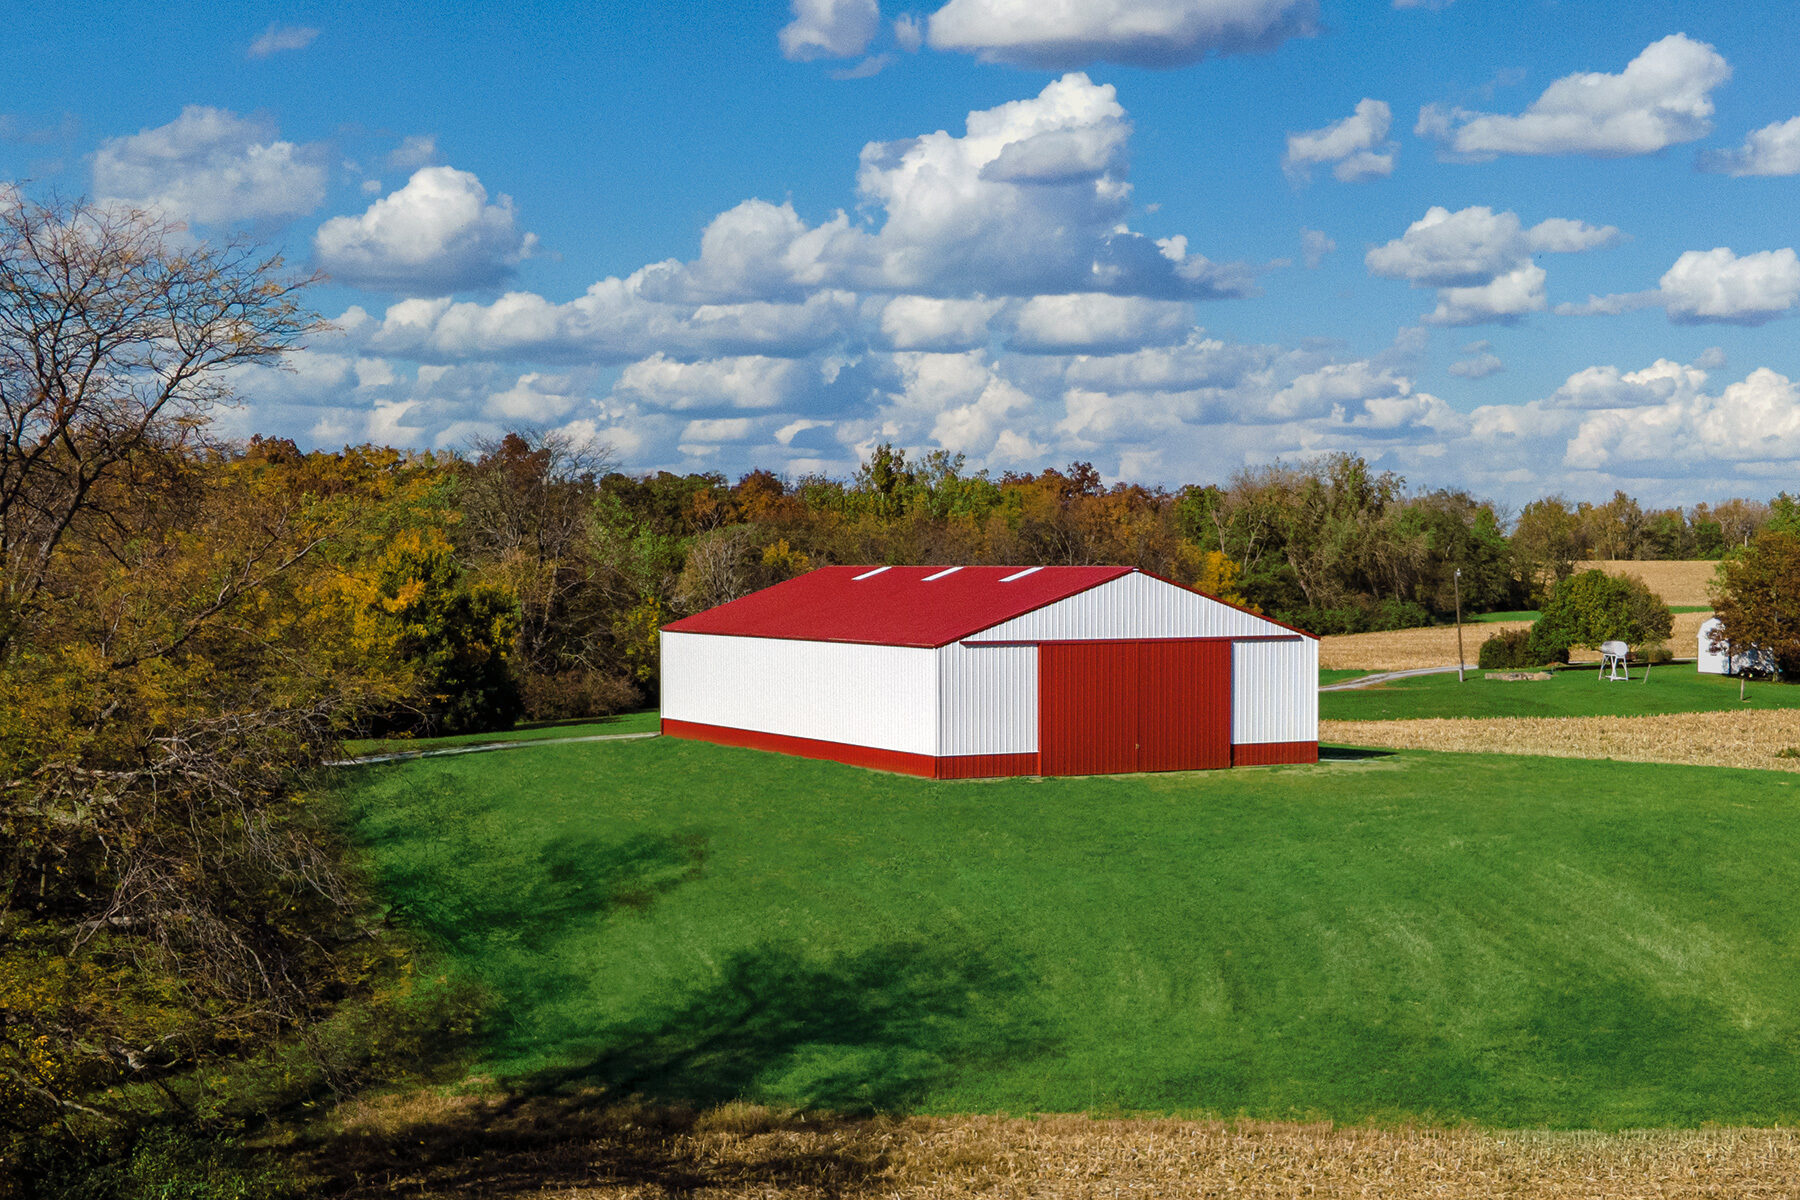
pixel 961 766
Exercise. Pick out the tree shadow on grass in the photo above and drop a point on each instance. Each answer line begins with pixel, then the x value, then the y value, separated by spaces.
pixel 821 1039
pixel 470 904
pixel 871 1030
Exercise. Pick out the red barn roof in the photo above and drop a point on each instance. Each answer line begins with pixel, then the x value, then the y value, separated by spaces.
pixel 895 606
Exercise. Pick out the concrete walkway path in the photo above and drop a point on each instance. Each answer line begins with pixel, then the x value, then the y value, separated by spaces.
pixel 482 747
pixel 1384 677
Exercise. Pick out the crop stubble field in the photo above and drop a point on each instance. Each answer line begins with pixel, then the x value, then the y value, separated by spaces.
pixel 463 1145
pixel 1710 739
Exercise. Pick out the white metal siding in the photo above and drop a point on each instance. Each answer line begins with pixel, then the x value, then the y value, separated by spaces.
pixel 1131 606
pixel 1275 691
pixel 989 699
pixel 881 696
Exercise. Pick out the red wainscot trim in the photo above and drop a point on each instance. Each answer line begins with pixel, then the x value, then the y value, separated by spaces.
pixel 986 766
pixel 1268 754
pixel 963 766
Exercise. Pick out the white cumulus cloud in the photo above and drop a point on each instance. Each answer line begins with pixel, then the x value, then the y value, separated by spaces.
pixel 829 29
pixel 1057 34
pixel 277 38
pixel 1712 286
pixel 1481 261
pixel 1096 323
pixel 1662 98
pixel 1717 285
pixel 748 381
pixel 1771 150
pixel 437 234
pixel 1031 199
pixel 1357 146
pixel 1754 421
pixel 1479 362
pixel 927 323
pixel 213 167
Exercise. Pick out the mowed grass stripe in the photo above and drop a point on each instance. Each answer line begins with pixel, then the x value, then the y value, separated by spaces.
pixel 1427 937
pixel 1671 688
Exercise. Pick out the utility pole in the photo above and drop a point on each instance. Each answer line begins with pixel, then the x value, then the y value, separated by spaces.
pixel 1459 645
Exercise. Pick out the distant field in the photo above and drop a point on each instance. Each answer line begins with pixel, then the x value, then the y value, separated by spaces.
pixel 1532 614
pixel 637 722
pixel 1673 688
pixel 1412 938
pixel 1405 649
pixel 1679 583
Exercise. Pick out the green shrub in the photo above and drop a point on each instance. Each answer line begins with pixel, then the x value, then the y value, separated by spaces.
pixel 1654 652
pixel 161 1163
pixel 1506 650
pixel 1594 607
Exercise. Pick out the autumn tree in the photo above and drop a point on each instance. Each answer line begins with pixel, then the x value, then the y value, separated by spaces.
pixel 116 341
pixel 1757 598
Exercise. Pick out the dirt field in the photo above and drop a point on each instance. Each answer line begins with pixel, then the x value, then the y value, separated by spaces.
pixel 545 1149
pixel 1681 584
pixel 1716 739
pixel 1405 649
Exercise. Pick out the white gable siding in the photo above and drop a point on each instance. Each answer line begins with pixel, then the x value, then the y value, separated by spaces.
pixel 1275 691
pixel 989 699
pixel 881 696
pixel 1131 606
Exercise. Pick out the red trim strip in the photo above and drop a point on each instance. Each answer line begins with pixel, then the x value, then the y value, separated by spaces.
pixel 1268 754
pixel 960 766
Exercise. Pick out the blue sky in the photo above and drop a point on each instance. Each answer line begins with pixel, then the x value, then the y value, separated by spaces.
pixel 1513 247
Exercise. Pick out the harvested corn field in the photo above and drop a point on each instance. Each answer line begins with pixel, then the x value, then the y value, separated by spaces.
pixel 1435 646
pixel 1679 583
pixel 1406 649
pixel 1712 739
pixel 542 1149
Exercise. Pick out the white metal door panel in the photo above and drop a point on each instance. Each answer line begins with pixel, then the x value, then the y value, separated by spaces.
pixel 988 699
pixel 881 696
pixel 1275 691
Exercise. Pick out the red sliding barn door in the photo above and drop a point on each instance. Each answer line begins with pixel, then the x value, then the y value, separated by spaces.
pixel 1087 708
pixel 1184 705
pixel 1116 707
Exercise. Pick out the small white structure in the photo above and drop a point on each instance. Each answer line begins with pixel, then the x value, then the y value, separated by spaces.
pixel 1754 661
pixel 1712 662
pixel 1613 657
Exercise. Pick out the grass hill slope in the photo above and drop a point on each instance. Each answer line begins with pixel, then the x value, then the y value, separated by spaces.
pixel 1442 938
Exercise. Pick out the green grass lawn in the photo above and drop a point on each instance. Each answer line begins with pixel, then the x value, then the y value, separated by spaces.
pixel 1442 938
pixel 1333 676
pixel 637 722
pixel 1532 614
pixel 1673 687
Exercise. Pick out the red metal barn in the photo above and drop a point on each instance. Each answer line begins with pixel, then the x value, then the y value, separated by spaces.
pixel 961 672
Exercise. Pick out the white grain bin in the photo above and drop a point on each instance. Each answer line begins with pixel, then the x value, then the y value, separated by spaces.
pixel 962 672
